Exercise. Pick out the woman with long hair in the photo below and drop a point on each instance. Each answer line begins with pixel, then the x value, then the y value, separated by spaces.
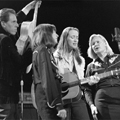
pixel 69 60
pixel 45 77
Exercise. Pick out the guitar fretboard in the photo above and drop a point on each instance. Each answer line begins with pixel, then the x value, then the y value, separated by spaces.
pixel 102 75
pixel 85 80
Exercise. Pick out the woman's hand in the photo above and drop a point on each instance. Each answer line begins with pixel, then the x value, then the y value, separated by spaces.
pixel 93 109
pixel 93 80
pixel 30 6
pixel 62 113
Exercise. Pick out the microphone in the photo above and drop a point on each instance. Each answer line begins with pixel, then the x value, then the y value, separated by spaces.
pixel 22 98
pixel 116 37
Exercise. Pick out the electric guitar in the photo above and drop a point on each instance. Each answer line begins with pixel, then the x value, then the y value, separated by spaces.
pixel 70 82
pixel 26 31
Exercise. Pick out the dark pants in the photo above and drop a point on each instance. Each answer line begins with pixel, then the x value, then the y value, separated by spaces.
pixel 44 111
pixel 8 109
pixel 77 111
pixel 107 101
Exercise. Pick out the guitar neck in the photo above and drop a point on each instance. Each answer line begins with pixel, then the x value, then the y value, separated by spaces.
pixel 101 75
pixel 106 74
pixel 85 80
pixel 35 13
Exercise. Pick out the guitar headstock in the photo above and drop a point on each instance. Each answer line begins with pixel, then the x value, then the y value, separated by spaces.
pixel 39 1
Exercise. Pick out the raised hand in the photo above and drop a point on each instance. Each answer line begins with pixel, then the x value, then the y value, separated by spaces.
pixel 31 5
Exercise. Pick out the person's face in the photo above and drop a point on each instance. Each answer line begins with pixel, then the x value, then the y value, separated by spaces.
pixel 98 45
pixel 55 36
pixel 11 25
pixel 73 39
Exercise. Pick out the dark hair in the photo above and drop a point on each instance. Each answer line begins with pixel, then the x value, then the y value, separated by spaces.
pixel 43 35
pixel 4 14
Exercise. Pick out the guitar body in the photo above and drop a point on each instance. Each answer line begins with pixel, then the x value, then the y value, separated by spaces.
pixel 26 33
pixel 69 92
pixel 27 29
pixel 70 83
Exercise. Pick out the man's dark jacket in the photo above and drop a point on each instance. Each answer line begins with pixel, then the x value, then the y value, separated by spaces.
pixel 11 63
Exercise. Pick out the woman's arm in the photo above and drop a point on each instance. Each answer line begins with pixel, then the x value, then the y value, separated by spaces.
pixel 88 91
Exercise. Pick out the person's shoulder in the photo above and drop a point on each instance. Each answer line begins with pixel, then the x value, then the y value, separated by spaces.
pixel 3 36
pixel 4 39
pixel 40 52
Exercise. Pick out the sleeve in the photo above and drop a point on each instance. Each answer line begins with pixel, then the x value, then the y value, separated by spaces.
pixel 42 67
pixel 9 50
pixel 88 88
pixel 49 82
pixel 59 61
pixel 38 66
pixel 57 56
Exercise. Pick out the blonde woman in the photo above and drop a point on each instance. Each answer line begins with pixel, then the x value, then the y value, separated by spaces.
pixel 106 91
pixel 68 58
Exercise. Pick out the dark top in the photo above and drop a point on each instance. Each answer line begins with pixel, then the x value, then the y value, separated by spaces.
pixel 45 73
pixel 111 65
pixel 11 63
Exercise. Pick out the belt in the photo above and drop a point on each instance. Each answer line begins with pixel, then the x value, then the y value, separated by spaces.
pixel 72 100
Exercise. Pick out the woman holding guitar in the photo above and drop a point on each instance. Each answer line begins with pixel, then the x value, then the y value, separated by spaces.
pixel 71 65
pixel 106 91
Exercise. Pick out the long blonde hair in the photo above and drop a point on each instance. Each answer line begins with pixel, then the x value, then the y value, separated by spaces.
pixel 63 45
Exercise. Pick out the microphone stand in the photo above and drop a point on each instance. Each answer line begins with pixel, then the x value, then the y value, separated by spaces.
pixel 21 83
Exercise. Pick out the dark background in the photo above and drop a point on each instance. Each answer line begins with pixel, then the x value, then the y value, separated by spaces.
pixel 89 16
